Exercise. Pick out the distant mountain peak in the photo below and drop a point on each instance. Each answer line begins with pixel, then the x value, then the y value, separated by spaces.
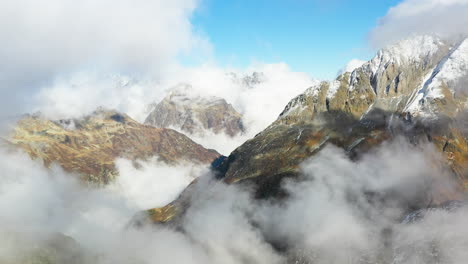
pixel 249 80
pixel 187 111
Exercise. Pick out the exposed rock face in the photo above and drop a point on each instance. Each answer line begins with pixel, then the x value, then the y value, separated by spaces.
pixel 185 111
pixel 413 89
pixel 90 145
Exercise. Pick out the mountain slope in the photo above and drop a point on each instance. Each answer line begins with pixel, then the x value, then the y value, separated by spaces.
pixel 90 145
pixel 357 112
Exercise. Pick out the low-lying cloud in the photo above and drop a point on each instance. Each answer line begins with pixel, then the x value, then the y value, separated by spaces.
pixel 153 183
pixel 338 211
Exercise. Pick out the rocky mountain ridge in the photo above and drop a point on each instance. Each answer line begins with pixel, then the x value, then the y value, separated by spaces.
pixel 191 113
pixel 397 80
pixel 89 146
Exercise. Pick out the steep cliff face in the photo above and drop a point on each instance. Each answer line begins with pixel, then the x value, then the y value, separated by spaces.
pixel 89 146
pixel 415 89
pixel 193 114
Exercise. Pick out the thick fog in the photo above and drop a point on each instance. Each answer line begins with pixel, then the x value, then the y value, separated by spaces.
pixel 338 211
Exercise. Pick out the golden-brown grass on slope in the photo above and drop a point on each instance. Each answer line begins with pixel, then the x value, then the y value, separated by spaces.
pixel 90 145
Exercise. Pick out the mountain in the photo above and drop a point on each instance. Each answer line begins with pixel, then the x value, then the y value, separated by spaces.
pixel 90 145
pixel 415 89
pixel 186 111
pixel 248 80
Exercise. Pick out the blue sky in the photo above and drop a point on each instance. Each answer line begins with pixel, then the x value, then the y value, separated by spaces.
pixel 313 36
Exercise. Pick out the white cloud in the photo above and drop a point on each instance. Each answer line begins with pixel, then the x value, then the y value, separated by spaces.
pixel 36 203
pixel 261 104
pixel 445 18
pixel 339 210
pixel 81 93
pixel 45 39
pixel 154 183
pixel 330 216
pixel 66 58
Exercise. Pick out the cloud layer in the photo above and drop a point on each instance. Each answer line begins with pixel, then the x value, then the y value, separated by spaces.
pixel 43 40
pixel 445 18
pixel 329 216
pixel 81 93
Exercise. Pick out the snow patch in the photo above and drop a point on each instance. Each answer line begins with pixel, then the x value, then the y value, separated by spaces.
pixel 333 88
pixel 453 68
pixel 313 90
pixel 450 70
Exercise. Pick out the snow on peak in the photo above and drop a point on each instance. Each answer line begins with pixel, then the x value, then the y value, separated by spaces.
pixel 411 50
pixel 314 89
pixel 454 67
pixel 414 48
pixel 185 94
pixel 451 69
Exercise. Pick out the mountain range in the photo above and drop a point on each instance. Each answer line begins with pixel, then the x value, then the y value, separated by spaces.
pixel 413 92
pixel 416 94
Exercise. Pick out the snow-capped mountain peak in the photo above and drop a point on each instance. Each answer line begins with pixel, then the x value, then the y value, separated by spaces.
pixel 422 76
pixel 444 80
pixel 186 110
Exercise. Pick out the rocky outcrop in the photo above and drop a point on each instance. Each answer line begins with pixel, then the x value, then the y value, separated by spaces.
pixel 410 90
pixel 89 146
pixel 193 114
